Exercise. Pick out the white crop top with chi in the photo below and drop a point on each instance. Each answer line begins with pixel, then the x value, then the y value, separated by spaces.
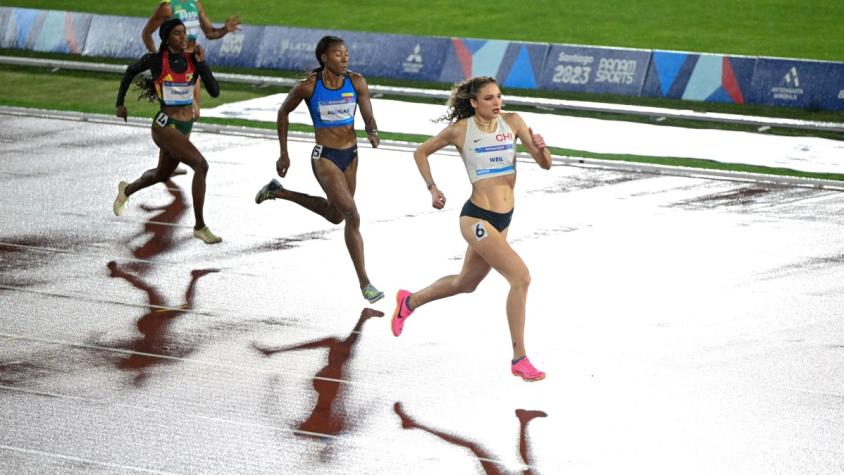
pixel 488 155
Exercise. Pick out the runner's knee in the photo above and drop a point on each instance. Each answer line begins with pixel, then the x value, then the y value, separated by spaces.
pixel 349 214
pixel 520 280
pixel 200 166
pixel 160 176
pixel 466 286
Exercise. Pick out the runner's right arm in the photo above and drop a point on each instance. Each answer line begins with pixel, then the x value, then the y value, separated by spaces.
pixel 293 99
pixel 205 73
pixel 445 138
pixel 146 62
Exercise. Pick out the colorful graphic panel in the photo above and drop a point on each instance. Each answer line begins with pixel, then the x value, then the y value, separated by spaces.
pixel 699 77
pixel 513 64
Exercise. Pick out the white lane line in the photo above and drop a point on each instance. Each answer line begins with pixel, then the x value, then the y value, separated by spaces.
pixel 85 298
pixel 224 255
pixel 211 364
pixel 253 425
pixel 86 254
pixel 162 308
pixel 83 460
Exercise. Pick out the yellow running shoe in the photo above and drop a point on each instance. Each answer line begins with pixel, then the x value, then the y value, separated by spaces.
pixel 206 236
pixel 371 293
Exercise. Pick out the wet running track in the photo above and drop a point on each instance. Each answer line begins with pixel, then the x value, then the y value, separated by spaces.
pixel 687 325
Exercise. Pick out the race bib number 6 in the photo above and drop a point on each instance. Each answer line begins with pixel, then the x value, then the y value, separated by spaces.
pixel 480 231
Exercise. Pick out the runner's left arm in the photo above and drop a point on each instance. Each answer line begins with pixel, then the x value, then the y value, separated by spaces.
pixel 231 25
pixel 366 109
pixel 208 79
pixel 534 143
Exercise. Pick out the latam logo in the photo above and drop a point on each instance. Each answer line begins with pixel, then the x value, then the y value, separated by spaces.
pixel 504 137
pixel 792 78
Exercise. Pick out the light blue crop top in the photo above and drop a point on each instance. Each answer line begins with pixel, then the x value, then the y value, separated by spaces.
pixel 333 107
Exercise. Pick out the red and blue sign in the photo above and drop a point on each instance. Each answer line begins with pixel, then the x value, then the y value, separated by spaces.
pixel 512 64
pixel 699 77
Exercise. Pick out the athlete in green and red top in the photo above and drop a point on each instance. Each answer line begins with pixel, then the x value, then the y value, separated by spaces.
pixel 192 14
pixel 174 76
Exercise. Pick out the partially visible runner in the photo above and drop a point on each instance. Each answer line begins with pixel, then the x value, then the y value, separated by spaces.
pixel 332 94
pixel 192 14
pixel 174 74
pixel 486 139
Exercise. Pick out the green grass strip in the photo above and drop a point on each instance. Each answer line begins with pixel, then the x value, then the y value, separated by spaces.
pixel 807 29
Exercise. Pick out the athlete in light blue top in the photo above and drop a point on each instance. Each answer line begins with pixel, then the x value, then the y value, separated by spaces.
pixel 333 107
pixel 332 94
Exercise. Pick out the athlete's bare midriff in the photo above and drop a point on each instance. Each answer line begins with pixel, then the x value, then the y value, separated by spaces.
pixel 336 137
pixel 494 194
pixel 184 113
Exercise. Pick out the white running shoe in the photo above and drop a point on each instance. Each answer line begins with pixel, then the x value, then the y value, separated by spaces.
pixel 120 201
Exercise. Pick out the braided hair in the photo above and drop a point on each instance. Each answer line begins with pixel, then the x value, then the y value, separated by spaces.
pixel 459 103
pixel 322 46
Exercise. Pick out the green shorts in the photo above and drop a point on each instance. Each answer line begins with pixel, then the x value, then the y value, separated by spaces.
pixel 163 120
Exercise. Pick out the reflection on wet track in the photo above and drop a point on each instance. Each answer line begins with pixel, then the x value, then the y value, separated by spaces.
pixel 159 228
pixel 489 464
pixel 687 325
pixel 326 418
pixel 153 325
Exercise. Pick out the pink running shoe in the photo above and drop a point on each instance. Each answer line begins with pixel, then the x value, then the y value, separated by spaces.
pixel 526 371
pixel 401 313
